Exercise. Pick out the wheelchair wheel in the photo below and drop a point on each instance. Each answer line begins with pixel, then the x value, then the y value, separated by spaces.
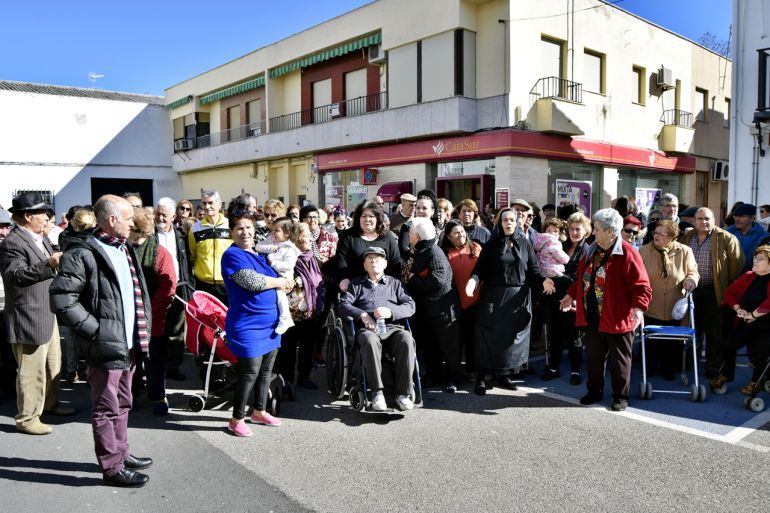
pixel 357 398
pixel 197 403
pixel 336 362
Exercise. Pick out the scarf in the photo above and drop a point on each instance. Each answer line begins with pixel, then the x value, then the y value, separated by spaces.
pixel 665 259
pixel 140 333
pixel 314 244
pixel 147 254
pixel 310 275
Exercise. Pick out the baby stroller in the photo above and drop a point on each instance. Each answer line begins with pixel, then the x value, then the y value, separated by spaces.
pixel 207 339
pixel 752 402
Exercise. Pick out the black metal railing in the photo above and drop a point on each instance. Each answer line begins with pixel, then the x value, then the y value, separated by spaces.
pixel 555 87
pixel 349 108
pixel 676 117
pixel 232 134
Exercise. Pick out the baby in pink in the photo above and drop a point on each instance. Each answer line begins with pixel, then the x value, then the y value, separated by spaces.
pixel 550 255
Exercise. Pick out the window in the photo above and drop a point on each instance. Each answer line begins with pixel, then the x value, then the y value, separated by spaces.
pixel 234 117
pixel 701 104
pixel 553 62
pixel 638 85
pixel 728 106
pixel 593 71
pixel 763 87
pixel 254 111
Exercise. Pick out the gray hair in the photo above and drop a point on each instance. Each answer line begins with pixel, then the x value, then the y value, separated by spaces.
pixel 609 219
pixel 105 207
pixel 167 203
pixel 423 227
pixel 211 193
pixel 669 198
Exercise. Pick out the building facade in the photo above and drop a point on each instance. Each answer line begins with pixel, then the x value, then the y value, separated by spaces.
pixel 750 121
pixel 486 99
pixel 76 144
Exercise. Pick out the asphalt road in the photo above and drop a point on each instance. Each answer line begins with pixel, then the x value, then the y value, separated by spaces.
pixel 508 451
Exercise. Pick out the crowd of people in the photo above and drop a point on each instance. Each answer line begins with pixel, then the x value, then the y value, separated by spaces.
pixel 92 297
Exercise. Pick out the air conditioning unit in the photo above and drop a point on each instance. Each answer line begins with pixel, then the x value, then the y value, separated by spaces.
pixel 720 172
pixel 376 55
pixel 183 144
pixel 665 78
pixel 253 132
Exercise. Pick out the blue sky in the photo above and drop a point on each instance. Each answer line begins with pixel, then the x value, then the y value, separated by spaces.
pixel 144 46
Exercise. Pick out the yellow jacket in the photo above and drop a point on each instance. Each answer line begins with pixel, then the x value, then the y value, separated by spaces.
pixel 667 291
pixel 208 243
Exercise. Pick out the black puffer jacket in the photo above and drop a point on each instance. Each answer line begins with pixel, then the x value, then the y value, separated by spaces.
pixel 431 284
pixel 85 296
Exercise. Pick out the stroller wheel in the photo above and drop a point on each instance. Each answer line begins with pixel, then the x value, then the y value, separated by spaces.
pixel 701 393
pixel 719 390
pixel 197 403
pixel 694 393
pixel 756 404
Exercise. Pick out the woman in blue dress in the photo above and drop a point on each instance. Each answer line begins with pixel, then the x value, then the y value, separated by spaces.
pixel 251 321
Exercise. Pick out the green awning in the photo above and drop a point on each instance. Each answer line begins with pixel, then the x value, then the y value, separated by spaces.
pixel 236 89
pixel 352 46
pixel 179 103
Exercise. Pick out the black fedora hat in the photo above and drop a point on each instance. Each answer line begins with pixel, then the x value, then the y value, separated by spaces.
pixel 31 200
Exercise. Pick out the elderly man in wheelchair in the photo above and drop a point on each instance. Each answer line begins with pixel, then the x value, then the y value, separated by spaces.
pixel 375 301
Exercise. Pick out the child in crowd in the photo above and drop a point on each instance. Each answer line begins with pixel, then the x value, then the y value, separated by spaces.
pixel 548 247
pixel 282 255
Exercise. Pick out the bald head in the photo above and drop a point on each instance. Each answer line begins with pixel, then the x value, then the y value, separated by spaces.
pixel 114 215
pixel 704 221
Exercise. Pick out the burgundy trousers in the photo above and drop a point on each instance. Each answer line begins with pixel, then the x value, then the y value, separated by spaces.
pixel 110 403
pixel 617 348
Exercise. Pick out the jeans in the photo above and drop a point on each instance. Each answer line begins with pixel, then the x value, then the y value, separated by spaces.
pixel 253 371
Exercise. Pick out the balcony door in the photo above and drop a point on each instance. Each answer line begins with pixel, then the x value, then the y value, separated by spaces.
pixel 322 97
pixel 355 92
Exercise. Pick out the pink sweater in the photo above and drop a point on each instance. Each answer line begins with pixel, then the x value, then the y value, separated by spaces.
pixel 550 256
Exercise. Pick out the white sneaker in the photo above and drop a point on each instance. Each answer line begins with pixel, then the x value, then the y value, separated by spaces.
pixel 378 401
pixel 283 325
pixel 404 402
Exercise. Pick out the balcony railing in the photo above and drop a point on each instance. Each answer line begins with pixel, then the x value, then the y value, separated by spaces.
pixel 555 87
pixel 676 117
pixel 349 108
pixel 233 134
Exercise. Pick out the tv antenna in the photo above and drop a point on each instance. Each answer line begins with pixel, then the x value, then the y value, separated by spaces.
pixel 92 78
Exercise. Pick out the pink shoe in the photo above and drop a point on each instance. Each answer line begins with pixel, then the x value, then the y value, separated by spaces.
pixel 265 419
pixel 239 428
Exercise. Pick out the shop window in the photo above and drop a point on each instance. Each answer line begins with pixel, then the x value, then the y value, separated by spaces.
pixel 638 85
pixel 642 183
pixel 578 172
pixel 593 71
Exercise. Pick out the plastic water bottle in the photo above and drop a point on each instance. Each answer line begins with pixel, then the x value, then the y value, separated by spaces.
pixel 381 329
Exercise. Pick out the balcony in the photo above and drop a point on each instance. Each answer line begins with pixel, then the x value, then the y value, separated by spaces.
pixel 557 106
pixel 677 133
pixel 324 113
pixel 233 134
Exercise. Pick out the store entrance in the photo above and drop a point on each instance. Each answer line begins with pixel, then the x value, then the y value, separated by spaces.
pixel 479 188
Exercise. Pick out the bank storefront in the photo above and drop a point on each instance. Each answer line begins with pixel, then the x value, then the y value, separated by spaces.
pixel 495 167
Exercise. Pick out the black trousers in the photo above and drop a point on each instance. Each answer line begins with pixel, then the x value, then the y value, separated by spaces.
pixel 708 322
pixel 156 369
pixel 615 347
pixel 295 356
pixel 175 329
pixel 756 338
pixel 438 340
pixel 562 334
pixel 467 327
pixel 253 371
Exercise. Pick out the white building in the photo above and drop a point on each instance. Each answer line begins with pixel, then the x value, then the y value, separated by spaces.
pixel 77 144
pixel 750 120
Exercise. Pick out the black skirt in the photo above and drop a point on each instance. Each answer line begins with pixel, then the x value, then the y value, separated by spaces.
pixel 502 328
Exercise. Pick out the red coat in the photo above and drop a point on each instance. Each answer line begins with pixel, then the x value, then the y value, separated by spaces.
pixel 736 290
pixel 164 294
pixel 626 287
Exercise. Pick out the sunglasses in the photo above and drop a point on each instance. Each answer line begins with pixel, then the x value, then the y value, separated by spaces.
pixel 630 231
pixel 243 213
pixel 188 209
pixel 271 216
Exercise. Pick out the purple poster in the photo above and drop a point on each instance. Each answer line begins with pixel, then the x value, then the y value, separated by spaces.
pixel 574 192
pixel 647 199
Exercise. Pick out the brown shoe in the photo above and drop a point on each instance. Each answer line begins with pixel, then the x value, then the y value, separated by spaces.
pixel 749 388
pixel 60 411
pixel 34 428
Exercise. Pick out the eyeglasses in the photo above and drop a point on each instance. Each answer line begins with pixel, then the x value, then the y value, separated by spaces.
pixel 631 231
pixel 312 218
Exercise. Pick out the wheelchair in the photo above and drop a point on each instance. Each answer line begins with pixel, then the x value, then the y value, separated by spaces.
pixel 345 370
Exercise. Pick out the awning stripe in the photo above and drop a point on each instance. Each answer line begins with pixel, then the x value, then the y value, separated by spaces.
pixel 339 51
pixel 179 103
pixel 233 90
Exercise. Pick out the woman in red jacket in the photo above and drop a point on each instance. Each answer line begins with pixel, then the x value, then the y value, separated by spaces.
pixel 158 268
pixel 611 292
pixel 749 297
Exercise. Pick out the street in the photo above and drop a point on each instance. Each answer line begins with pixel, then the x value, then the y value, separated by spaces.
pixel 528 450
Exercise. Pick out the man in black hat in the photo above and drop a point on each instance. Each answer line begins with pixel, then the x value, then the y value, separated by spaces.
pixel 750 235
pixel 28 264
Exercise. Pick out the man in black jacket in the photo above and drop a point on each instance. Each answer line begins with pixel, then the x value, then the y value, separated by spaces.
pixel 100 293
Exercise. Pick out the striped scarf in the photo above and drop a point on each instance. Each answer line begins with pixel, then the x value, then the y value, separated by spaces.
pixel 314 244
pixel 140 332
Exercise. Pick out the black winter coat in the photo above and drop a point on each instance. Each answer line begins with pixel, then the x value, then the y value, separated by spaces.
pixel 431 284
pixel 85 295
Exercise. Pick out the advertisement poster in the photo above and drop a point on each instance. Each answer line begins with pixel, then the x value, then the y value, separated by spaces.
pixel 334 195
pixel 501 197
pixel 356 195
pixel 647 199
pixel 574 192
